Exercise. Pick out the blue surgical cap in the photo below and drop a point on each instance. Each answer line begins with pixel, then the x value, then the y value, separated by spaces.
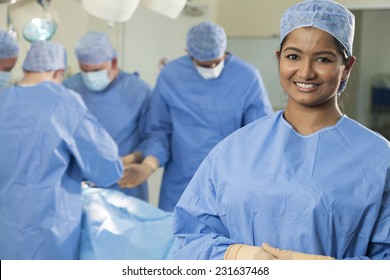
pixel 206 41
pixel 44 56
pixel 326 15
pixel 94 48
pixel 8 46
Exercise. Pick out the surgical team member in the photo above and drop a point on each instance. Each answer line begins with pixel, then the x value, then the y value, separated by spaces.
pixel 304 183
pixel 119 100
pixel 49 142
pixel 9 52
pixel 199 99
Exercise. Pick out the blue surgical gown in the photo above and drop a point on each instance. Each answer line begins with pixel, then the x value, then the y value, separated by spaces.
pixel 121 108
pixel 190 115
pixel 327 193
pixel 49 142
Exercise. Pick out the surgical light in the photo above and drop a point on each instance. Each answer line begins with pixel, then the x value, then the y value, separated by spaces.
pixel 122 10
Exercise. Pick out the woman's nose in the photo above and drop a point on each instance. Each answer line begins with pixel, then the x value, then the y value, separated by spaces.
pixel 306 70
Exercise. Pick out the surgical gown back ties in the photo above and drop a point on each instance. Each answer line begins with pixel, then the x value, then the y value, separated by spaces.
pixel 121 108
pixel 49 142
pixel 190 115
pixel 327 193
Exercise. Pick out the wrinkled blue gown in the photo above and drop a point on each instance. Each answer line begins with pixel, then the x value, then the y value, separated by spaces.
pixel 121 108
pixel 327 193
pixel 190 115
pixel 49 143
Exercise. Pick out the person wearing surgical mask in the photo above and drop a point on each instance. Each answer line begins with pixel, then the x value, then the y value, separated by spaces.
pixel 9 51
pixel 49 144
pixel 199 99
pixel 119 100
pixel 210 69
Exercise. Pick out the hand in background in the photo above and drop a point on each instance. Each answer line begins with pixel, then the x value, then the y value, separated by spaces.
pixel 135 157
pixel 137 173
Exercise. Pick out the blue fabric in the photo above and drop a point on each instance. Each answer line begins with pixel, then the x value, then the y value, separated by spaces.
pixel 206 41
pixel 44 56
pixel 327 193
pixel 5 79
pixel 190 115
pixel 323 14
pixel 49 142
pixel 94 48
pixel 121 108
pixel 8 46
pixel 121 227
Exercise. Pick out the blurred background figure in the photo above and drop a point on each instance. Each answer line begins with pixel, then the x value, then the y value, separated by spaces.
pixel 119 100
pixel 49 143
pixel 199 99
pixel 162 62
pixel 9 51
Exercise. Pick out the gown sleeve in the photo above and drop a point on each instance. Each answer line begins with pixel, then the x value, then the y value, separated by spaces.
pixel 258 104
pixel 379 246
pixel 142 122
pixel 96 152
pixel 197 223
pixel 159 126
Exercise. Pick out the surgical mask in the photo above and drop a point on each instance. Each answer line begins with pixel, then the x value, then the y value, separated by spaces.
pixel 97 80
pixel 210 73
pixel 5 79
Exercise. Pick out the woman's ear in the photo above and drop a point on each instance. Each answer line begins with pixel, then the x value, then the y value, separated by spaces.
pixel 114 63
pixel 277 53
pixel 348 67
pixel 58 75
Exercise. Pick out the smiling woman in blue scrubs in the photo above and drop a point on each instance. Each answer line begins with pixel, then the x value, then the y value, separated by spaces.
pixel 304 183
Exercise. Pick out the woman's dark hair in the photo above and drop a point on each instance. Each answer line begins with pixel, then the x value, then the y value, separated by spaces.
pixel 342 50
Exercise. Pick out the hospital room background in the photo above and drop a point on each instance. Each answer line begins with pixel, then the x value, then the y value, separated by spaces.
pixel 252 28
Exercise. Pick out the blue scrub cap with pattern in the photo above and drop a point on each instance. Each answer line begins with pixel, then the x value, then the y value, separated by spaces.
pixel 44 56
pixel 206 41
pixel 326 15
pixel 8 46
pixel 94 48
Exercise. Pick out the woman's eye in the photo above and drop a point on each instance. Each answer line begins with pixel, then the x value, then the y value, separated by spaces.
pixel 292 56
pixel 324 59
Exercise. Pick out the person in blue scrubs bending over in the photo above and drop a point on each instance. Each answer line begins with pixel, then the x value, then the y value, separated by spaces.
pixel 199 99
pixel 49 143
pixel 306 182
pixel 119 100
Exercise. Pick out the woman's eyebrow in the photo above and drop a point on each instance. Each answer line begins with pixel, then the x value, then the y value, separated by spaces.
pixel 316 53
